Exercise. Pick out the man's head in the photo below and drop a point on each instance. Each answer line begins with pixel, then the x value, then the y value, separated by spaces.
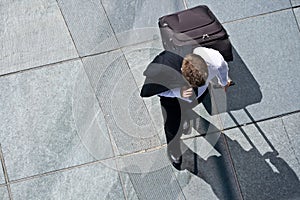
pixel 194 69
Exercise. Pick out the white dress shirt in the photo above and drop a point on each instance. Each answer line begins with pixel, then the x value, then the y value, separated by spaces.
pixel 217 67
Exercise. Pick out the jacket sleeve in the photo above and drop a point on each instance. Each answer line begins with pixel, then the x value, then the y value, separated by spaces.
pixel 160 77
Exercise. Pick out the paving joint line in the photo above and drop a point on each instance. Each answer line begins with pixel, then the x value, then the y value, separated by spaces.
pixel 262 120
pixel 290 141
pixel 144 103
pixel 133 153
pixel 62 14
pixel 102 161
pixel 39 67
pixel 297 22
pixel 58 171
pixel 3 185
pixel 7 182
pixel 110 134
pixel 117 166
pixel 233 168
pixel 258 15
pixel 68 60
pixel 123 54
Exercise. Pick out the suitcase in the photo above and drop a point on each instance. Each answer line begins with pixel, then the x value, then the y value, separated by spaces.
pixel 194 27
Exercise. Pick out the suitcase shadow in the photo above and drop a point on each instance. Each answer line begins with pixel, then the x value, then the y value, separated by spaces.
pixel 245 92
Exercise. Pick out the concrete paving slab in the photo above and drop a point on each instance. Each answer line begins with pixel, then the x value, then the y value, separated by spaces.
pixel 266 55
pixel 295 2
pixel 125 113
pixel 264 160
pixel 292 127
pixel 29 36
pixel 87 182
pixel 136 21
pixel 4 193
pixel 234 9
pixel 52 120
pixel 89 26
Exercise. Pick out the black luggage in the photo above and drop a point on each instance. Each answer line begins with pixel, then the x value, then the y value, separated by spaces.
pixel 194 27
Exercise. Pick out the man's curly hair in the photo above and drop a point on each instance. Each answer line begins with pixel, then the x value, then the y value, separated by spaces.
pixel 195 70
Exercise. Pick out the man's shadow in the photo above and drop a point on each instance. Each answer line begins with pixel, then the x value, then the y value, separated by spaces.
pixel 236 172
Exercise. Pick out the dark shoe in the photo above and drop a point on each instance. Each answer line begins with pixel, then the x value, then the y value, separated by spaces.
pixel 186 127
pixel 176 161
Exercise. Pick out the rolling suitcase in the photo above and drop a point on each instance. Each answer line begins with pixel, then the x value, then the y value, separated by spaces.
pixel 194 27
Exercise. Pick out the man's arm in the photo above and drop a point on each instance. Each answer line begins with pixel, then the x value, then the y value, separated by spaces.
pixel 223 73
pixel 182 93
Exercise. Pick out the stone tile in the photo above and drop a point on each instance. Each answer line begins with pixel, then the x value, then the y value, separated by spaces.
pixel 4 193
pixel 208 171
pixel 29 36
pixel 266 55
pixel 133 23
pixel 125 113
pixel 87 182
pixel 89 26
pixel 52 120
pixel 291 124
pixel 234 9
pixel 262 173
pixel 295 2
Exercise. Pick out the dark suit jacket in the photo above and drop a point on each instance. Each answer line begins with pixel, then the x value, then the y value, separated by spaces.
pixel 162 74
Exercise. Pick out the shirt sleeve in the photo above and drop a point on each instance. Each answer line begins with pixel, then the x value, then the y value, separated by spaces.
pixel 223 73
pixel 174 93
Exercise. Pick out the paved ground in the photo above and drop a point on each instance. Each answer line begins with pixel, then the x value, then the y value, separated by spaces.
pixel 74 127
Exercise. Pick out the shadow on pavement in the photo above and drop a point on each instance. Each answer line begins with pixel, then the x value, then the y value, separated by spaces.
pixel 245 92
pixel 256 178
pixel 236 171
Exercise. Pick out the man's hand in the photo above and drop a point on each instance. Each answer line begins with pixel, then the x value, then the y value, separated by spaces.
pixel 186 92
pixel 229 83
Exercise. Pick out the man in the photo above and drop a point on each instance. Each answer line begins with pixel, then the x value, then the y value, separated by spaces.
pixel 181 84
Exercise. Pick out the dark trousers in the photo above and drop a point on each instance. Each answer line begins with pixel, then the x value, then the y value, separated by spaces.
pixel 174 112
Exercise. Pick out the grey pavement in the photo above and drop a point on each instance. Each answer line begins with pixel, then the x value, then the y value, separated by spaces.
pixel 73 125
